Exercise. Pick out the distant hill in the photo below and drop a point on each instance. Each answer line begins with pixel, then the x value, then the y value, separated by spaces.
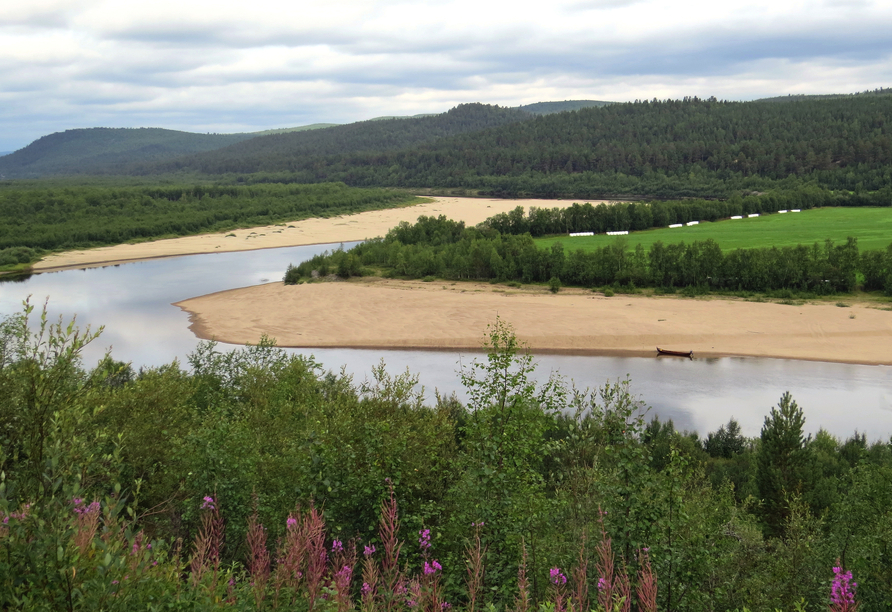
pixel 288 152
pixel 303 128
pixel 403 116
pixel 669 148
pixel 2 153
pixel 803 97
pixel 85 151
pixel 108 150
pixel 547 108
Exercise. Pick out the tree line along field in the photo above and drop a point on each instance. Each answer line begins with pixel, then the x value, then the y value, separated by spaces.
pixel 440 248
pixel 35 219
pixel 249 480
pixel 872 227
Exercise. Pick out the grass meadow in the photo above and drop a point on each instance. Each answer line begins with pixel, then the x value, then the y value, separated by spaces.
pixel 871 226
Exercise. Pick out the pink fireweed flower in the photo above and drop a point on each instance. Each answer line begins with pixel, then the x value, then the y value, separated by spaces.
pixel 602 584
pixel 432 568
pixel 424 542
pixel 557 577
pixel 337 546
pixel 208 503
pixel 291 523
pixel 369 551
pixel 366 589
pixel 445 606
pixel 842 592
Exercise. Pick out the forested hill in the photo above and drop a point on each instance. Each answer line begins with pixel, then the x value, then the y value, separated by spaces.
pixel 86 151
pixel 881 91
pixel 657 148
pixel 293 151
pixel 547 108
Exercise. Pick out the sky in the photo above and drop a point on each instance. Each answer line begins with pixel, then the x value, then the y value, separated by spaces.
pixel 222 66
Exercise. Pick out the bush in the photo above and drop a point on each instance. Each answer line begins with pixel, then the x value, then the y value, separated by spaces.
pixel 554 284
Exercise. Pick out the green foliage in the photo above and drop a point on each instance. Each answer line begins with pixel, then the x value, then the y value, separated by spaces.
pixel 47 218
pixel 544 468
pixel 446 249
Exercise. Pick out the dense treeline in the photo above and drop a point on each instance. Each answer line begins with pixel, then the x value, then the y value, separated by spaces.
pixel 292 150
pixel 659 148
pixel 637 216
pixel 78 216
pixel 446 249
pixel 216 457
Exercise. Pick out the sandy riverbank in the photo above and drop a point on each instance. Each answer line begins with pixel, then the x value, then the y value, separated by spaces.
pixel 346 228
pixel 401 314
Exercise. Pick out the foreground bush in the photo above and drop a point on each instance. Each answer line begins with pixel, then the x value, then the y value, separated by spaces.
pixel 255 481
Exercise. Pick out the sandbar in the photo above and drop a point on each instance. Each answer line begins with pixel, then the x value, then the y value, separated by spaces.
pixel 345 228
pixel 378 313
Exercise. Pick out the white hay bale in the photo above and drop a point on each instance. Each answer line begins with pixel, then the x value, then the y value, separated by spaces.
pixel 737 217
pixel 676 225
pixel 796 210
pixel 690 223
pixel 753 215
pixel 782 211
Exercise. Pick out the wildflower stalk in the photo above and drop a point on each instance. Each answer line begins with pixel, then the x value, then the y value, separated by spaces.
pixel 259 561
pixel 86 518
pixel 370 579
pixel 622 589
pixel 344 560
pixel 647 583
pixel 388 532
pixel 522 601
pixel 317 556
pixel 580 578
pixel 606 569
pixel 558 583
pixel 474 560
pixel 842 591
pixel 208 544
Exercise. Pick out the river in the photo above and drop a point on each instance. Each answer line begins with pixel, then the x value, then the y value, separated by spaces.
pixel 133 302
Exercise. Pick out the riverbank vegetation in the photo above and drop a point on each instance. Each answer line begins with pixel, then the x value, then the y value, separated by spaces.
pixel 447 249
pixel 36 219
pixel 253 480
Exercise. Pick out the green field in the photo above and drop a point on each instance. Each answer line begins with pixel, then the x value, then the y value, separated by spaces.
pixel 871 226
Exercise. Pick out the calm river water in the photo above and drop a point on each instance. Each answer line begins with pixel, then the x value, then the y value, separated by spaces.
pixel 133 302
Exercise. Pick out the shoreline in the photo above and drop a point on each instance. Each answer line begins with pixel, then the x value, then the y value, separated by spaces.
pixel 315 230
pixel 412 315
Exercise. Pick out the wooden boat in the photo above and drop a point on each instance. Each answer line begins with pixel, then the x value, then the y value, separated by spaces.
pixel 688 354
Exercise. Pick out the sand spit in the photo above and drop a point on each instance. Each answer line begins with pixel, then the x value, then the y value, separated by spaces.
pixel 346 228
pixel 408 314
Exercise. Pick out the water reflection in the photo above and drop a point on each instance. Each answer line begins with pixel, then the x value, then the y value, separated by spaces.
pixel 133 302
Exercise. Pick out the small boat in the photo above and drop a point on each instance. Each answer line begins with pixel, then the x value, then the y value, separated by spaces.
pixel 688 354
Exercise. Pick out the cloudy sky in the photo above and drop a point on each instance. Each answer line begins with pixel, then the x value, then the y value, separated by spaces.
pixel 223 66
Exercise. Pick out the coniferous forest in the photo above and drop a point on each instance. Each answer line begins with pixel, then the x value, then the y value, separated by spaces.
pixel 668 148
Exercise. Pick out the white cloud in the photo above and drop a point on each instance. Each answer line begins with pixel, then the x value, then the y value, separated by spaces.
pixel 193 64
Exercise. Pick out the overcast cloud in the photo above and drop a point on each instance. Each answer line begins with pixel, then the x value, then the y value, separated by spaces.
pixel 243 66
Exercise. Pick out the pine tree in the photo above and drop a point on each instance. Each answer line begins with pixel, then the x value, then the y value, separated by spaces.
pixel 782 460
